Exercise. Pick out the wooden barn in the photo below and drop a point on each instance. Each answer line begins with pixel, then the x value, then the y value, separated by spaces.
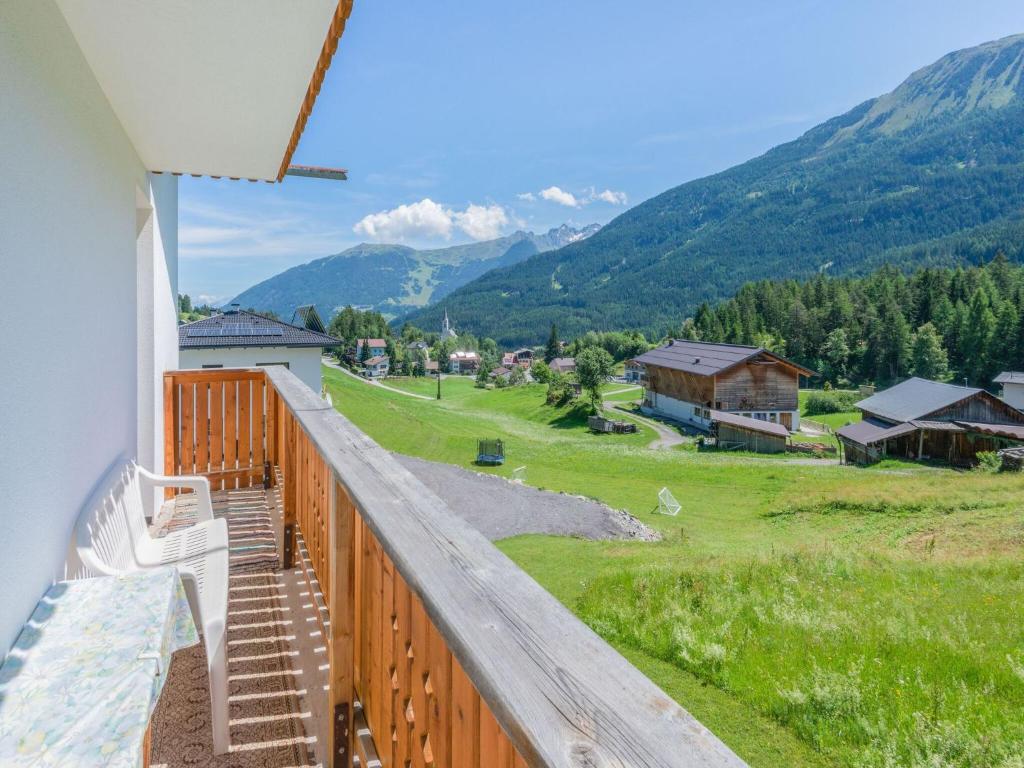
pixel 922 419
pixel 687 380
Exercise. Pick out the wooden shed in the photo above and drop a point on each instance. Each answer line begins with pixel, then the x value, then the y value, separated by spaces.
pixel 922 419
pixel 734 432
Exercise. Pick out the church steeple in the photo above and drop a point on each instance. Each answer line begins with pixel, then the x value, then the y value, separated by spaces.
pixel 446 328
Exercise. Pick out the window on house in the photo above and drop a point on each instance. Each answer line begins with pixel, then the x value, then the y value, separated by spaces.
pixel 213 365
pixel 696 411
pixel 718 405
pixel 284 364
pixel 773 417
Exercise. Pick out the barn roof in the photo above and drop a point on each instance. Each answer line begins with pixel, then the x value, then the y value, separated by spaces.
pixel 745 422
pixel 238 328
pixel 1010 377
pixel 914 399
pixel 706 359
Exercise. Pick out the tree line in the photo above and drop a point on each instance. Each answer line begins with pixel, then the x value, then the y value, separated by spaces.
pixel 949 324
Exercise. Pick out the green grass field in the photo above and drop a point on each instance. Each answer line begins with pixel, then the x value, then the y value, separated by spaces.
pixel 809 614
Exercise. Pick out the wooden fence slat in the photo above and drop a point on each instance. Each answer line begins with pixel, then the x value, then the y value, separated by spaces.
pixel 388 735
pixel 403 672
pixel 202 428
pixel 440 677
pixel 244 427
pixel 188 450
pixel 420 662
pixel 258 422
pixel 230 425
pixel 340 608
pixel 217 427
pixel 465 720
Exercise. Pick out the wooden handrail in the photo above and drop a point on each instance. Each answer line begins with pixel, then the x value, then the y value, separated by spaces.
pixel 458 657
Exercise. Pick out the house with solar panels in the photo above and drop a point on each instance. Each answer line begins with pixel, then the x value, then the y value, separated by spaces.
pixel 240 339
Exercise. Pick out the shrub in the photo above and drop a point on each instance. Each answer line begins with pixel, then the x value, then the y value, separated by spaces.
pixel 989 461
pixel 833 401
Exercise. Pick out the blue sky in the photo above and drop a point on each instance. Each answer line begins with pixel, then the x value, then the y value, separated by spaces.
pixel 466 120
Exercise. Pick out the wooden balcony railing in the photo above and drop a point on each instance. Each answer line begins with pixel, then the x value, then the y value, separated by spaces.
pixel 457 657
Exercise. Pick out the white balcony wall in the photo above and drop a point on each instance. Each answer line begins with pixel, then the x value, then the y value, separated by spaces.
pixel 81 293
pixel 304 362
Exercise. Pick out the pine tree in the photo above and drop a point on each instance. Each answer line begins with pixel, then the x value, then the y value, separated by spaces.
pixel 928 356
pixel 552 350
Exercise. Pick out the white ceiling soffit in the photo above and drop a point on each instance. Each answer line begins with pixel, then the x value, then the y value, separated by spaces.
pixel 209 87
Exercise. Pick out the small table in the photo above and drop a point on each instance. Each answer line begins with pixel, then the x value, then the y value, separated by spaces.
pixel 81 682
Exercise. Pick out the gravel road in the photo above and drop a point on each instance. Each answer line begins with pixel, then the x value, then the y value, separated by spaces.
pixel 499 508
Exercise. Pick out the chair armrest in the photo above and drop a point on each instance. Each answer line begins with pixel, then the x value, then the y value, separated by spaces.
pixel 196 482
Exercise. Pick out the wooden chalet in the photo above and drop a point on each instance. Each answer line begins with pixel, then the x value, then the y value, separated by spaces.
pixel 922 419
pixel 687 380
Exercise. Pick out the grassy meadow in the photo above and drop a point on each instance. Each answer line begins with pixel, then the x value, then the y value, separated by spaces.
pixel 809 614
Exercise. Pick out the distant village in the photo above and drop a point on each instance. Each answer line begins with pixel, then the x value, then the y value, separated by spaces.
pixel 735 397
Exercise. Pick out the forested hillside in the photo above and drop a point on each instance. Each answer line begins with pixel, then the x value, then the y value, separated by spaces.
pixel 930 174
pixel 393 279
pixel 938 323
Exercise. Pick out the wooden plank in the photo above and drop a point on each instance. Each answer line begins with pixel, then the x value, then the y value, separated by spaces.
pixel 202 427
pixel 341 611
pixel 403 672
pixel 188 449
pixel 563 696
pixel 440 692
pixel 422 750
pixel 465 720
pixel 230 424
pixel 388 734
pixel 495 749
pixel 357 609
pixel 375 689
pixel 244 428
pixel 216 426
pixel 170 431
pixel 258 422
pixel 218 374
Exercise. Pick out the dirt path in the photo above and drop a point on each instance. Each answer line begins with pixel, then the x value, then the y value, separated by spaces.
pixel 371 382
pixel 500 508
pixel 668 436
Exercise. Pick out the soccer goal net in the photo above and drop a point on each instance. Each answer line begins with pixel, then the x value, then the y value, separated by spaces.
pixel 667 504
pixel 519 475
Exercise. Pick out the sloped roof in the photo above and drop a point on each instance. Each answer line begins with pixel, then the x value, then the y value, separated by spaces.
pixel 914 399
pixel 373 342
pixel 1010 377
pixel 706 359
pixel 238 328
pixel 377 360
pixel 745 422
pixel 563 362
pixel 308 317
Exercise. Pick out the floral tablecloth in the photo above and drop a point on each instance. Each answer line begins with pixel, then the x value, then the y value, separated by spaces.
pixel 78 687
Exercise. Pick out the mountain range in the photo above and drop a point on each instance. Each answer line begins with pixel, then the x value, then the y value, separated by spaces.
pixel 394 279
pixel 931 173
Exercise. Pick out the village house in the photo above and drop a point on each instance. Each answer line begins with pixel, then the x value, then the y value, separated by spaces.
pixel 463 362
pixel 635 372
pixel 563 365
pixel 686 380
pixel 1013 387
pixel 521 357
pixel 239 339
pixel 377 347
pixel 922 419
pixel 376 367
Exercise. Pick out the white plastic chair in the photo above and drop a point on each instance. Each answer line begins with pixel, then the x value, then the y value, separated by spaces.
pixel 112 538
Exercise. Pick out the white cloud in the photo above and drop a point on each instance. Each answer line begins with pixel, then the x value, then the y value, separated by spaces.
pixel 208 231
pixel 425 219
pixel 608 196
pixel 528 197
pixel 560 196
pixel 482 222
pixel 428 220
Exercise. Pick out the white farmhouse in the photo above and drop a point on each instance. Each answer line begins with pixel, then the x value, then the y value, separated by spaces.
pixel 1013 388
pixel 240 339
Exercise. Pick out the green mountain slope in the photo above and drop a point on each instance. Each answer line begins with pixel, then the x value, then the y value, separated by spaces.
pixel 932 172
pixel 393 279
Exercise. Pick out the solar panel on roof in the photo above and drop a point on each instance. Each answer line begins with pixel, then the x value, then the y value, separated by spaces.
pixel 236 329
